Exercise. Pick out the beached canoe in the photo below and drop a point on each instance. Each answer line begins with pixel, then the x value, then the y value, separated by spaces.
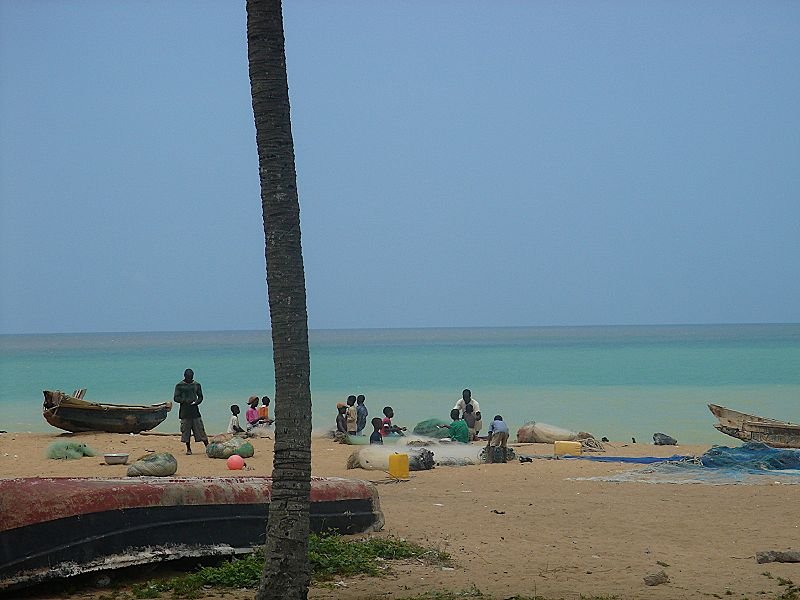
pixel 75 414
pixel 751 428
pixel 53 528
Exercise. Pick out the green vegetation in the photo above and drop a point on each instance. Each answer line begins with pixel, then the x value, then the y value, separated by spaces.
pixel 792 592
pixel 333 556
pixel 330 556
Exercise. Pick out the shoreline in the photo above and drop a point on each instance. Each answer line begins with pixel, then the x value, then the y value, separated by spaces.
pixel 521 528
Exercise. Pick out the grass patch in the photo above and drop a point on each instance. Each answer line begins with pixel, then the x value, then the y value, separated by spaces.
pixel 330 556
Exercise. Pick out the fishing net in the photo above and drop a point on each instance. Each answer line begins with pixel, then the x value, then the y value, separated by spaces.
pixel 751 456
pixel 420 459
pixel 430 428
pixel 752 463
pixel 226 449
pixel 62 449
pixel 497 454
pixel 155 464
pixel 376 458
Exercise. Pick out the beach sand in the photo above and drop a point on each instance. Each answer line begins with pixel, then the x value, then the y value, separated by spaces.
pixel 521 528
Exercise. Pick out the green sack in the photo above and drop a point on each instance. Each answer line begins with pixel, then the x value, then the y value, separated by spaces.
pixel 430 428
pixel 156 464
pixel 235 445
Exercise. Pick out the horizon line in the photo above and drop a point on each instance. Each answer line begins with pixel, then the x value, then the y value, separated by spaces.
pixel 409 328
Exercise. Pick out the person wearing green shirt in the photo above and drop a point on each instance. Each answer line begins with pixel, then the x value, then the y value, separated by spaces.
pixel 457 430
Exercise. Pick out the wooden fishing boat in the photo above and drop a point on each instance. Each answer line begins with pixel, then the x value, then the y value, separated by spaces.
pixel 750 428
pixel 52 528
pixel 73 413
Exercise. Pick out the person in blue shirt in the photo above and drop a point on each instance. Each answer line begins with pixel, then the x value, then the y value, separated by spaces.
pixel 498 438
pixel 361 414
pixel 377 436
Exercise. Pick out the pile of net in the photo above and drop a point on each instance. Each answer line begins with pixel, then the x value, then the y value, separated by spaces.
pixel 260 431
pixel 423 454
pixel 376 458
pixel 155 464
pixel 62 449
pixel 226 449
pixel 753 463
pixel 751 456
pixel 430 428
pixel 542 433
pixel 497 454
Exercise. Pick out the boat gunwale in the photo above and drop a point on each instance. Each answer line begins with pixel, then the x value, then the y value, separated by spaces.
pixel 68 401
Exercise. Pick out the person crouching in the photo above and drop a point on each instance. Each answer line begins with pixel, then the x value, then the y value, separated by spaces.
pixel 498 438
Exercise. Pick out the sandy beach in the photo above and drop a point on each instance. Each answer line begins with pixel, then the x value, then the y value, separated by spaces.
pixel 522 528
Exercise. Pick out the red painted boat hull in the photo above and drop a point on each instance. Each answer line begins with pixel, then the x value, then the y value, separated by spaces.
pixel 59 527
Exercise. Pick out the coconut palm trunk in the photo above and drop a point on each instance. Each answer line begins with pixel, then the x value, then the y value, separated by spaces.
pixel 286 569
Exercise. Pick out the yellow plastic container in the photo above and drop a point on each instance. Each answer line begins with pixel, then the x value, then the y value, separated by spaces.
pixel 562 448
pixel 398 466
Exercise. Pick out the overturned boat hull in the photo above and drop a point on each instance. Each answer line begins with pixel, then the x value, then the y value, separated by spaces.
pixel 59 527
pixel 751 428
pixel 75 414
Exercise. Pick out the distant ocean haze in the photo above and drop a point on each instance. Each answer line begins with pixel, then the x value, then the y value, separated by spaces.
pixel 619 382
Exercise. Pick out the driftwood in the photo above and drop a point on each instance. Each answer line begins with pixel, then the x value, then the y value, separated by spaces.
pixel 768 556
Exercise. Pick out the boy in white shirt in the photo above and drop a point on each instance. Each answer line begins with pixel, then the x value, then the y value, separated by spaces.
pixel 233 424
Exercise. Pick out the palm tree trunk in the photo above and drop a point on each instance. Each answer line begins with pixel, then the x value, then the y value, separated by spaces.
pixel 286 569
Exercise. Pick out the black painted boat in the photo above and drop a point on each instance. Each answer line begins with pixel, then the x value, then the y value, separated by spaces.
pixel 75 414
pixel 52 528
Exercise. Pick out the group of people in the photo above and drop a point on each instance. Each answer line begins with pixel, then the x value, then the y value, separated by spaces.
pixel 189 395
pixel 467 422
pixel 255 416
pixel 351 418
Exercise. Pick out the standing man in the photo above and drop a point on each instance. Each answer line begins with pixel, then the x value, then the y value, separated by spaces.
pixel 352 415
pixel 461 405
pixel 189 395
pixel 361 414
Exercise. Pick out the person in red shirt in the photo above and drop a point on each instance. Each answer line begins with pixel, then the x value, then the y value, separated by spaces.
pixel 387 427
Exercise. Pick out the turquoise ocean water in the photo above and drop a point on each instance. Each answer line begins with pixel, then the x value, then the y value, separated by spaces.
pixel 620 382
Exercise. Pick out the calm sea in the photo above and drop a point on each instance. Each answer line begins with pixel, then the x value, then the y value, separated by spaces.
pixel 620 382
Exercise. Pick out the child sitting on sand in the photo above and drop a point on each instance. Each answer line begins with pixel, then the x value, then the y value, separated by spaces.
pixel 233 424
pixel 388 428
pixel 253 420
pixel 376 437
pixel 263 411
pixel 457 430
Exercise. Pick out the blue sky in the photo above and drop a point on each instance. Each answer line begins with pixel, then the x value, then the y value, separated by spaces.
pixel 459 164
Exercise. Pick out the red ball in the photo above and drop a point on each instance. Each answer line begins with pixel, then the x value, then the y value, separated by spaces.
pixel 235 462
